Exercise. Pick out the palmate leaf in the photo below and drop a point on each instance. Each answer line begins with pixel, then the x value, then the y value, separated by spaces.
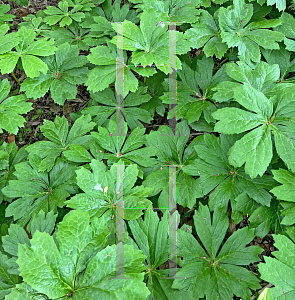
pixel 115 12
pixel 220 178
pixel 24 291
pixel 154 84
pixel 4 8
pixel 216 274
pixel 80 245
pixel 62 14
pixel 99 20
pixel 35 23
pixel 8 41
pixel 60 138
pixel 236 31
pixel 17 235
pixel 10 156
pixel 100 77
pixel 74 35
pixel 8 280
pixel 100 192
pixel 194 91
pixel 205 32
pixel 283 58
pixel 133 113
pixel 263 219
pixel 170 152
pixel 87 5
pixel 35 190
pixel 273 115
pixel 11 109
pixel 79 154
pixel 129 149
pixel 262 77
pixel 285 192
pixel 287 28
pixel 151 237
pixel 178 11
pixel 280 4
pixel 280 270
pixel 65 72
pixel 150 41
pixel 28 51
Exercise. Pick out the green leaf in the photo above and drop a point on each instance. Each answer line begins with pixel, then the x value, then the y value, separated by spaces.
pixel 280 5
pixel 257 143
pixel 261 78
pixel 287 28
pixel 102 76
pixel 16 235
pixel 266 295
pixel 287 189
pixel 206 32
pixel 151 236
pixel 250 149
pixel 28 50
pixel 8 41
pixel 170 152
pixel 210 271
pixel 8 281
pixel 249 38
pixel 130 152
pixel 56 14
pixel 77 153
pixel 60 139
pixel 194 91
pixel 35 191
pixel 280 270
pixel 265 218
pixel 65 71
pixel 285 192
pixel 219 178
pixel 5 17
pixel 11 109
pixel 61 265
pixel 24 292
pixel 178 11
pixel 133 113
pixel 10 156
pixel 42 223
pixel 100 193
pixel 150 43
pixel 282 57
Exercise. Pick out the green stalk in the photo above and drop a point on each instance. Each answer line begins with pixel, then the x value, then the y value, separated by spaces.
pixel 15 78
pixel 220 64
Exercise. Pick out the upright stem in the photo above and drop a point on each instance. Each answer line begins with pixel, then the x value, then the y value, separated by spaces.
pixel 220 64
pixel 15 78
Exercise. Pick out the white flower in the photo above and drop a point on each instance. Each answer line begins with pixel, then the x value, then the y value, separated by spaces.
pixel 161 23
pixel 98 187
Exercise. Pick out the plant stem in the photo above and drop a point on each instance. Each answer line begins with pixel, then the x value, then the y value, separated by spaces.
pixel 285 81
pixel 220 64
pixel 189 212
pixel 15 78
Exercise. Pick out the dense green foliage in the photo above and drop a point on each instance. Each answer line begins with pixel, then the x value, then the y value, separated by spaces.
pixel 232 154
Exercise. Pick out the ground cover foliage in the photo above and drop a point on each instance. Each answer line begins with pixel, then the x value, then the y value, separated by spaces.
pixel 233 150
